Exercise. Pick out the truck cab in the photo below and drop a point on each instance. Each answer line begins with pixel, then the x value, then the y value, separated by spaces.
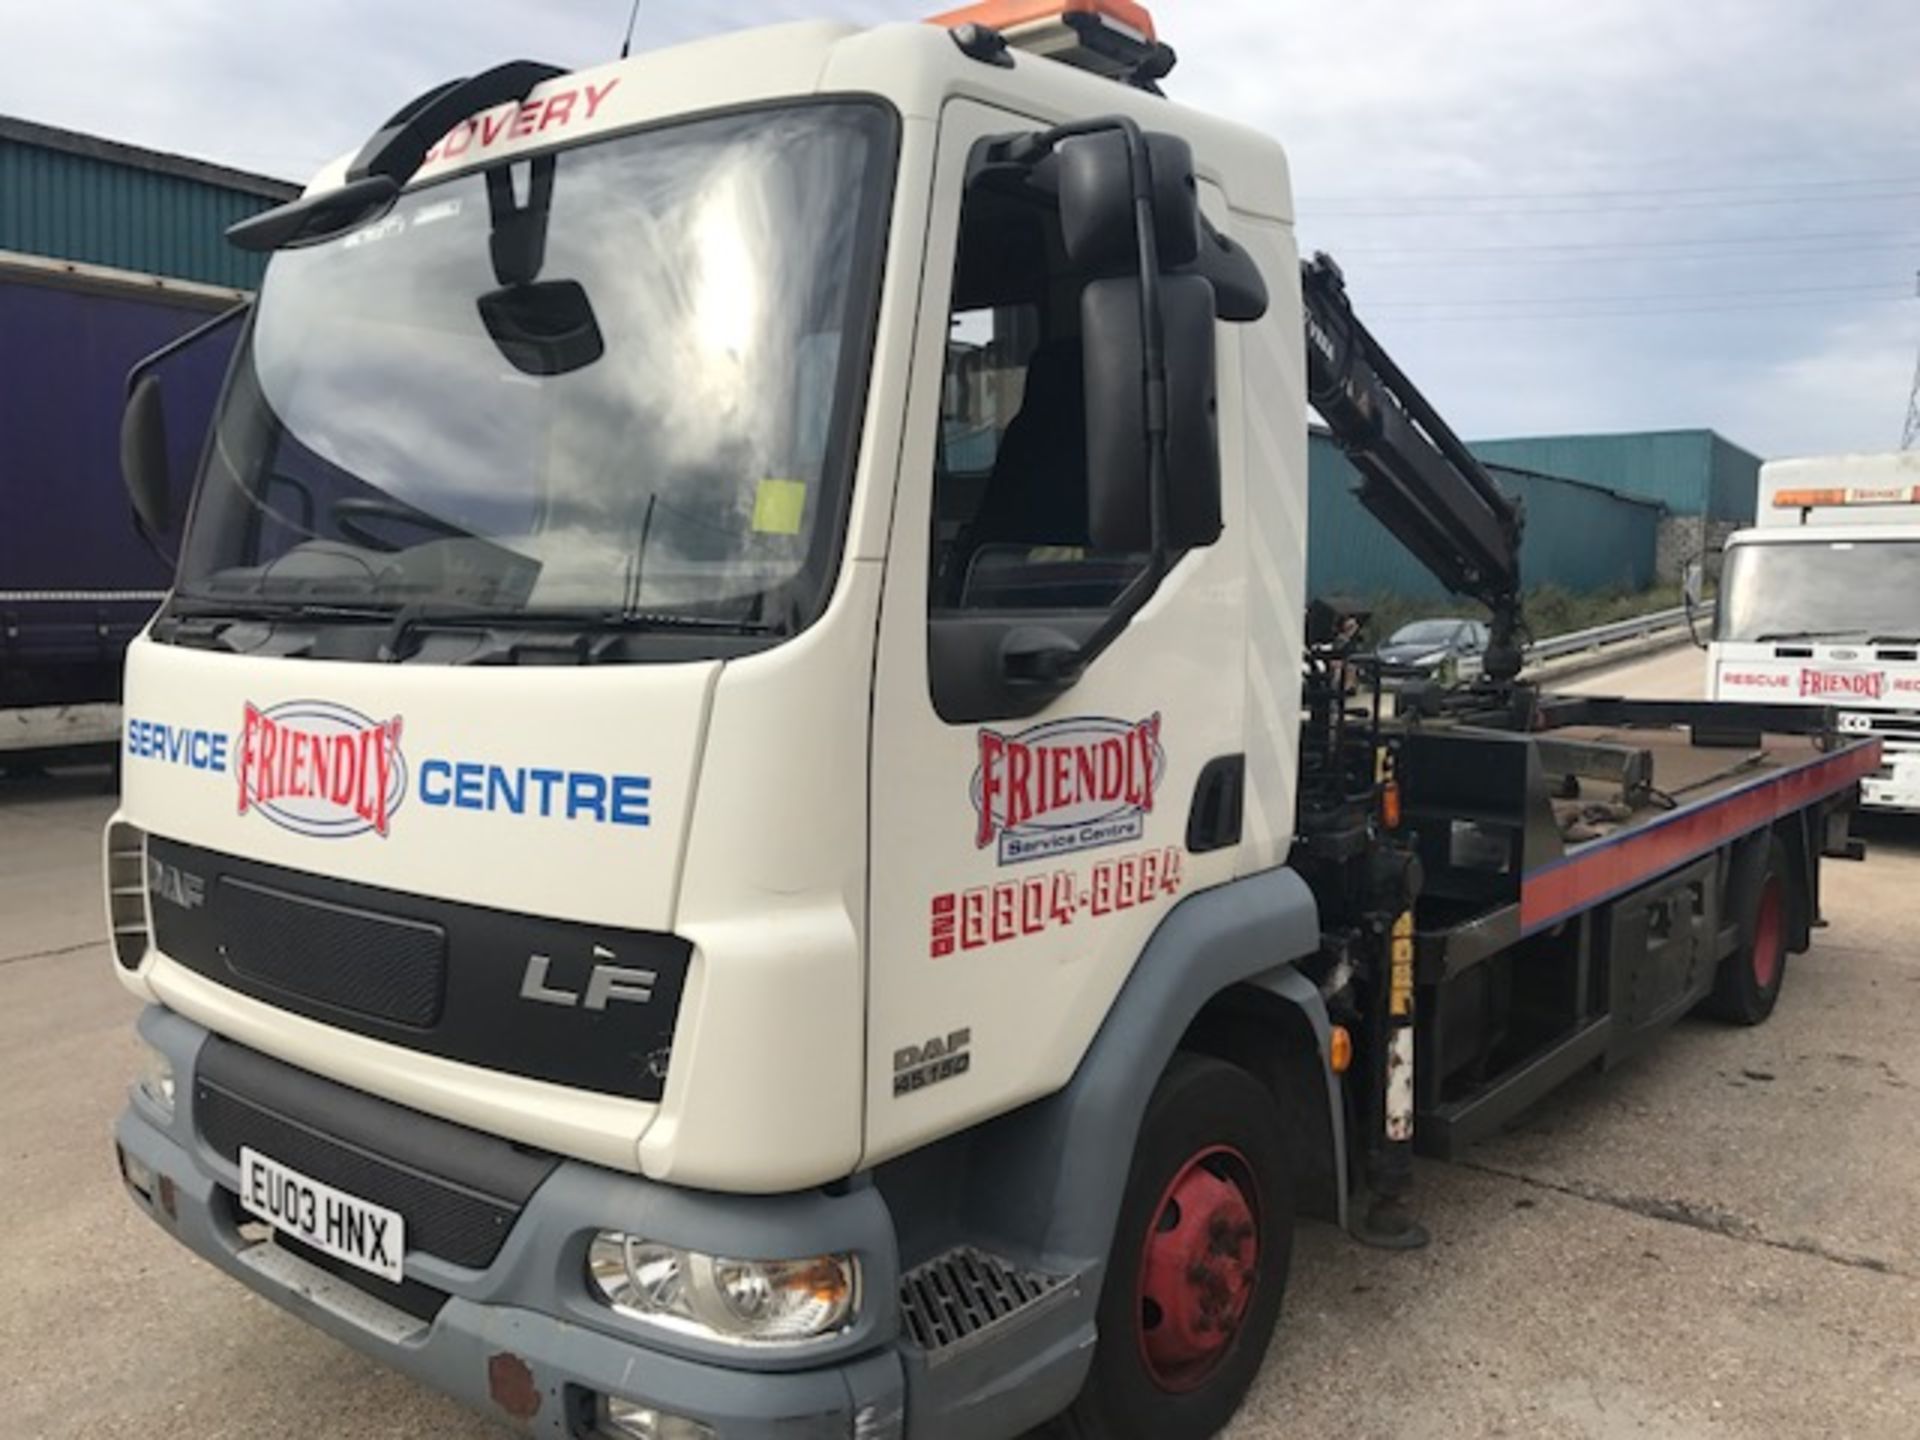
pixel 1820 605
pixel 675 697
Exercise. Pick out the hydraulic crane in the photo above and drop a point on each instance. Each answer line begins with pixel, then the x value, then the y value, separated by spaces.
pixel 1417 476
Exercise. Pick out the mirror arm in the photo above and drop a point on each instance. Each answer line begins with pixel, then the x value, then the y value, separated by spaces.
pixel 175 346
pixel 1131 602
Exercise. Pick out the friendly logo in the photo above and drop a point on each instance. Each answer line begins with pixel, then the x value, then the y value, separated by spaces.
pixel 318 768
pixel 1851 684
pixel 1066 785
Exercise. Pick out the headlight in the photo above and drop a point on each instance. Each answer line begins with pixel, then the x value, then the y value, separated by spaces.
pixel 740 1302
pixel 629 1421
pixel 156 1080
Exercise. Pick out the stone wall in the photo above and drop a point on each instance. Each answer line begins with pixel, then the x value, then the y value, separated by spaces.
pixel 1682 538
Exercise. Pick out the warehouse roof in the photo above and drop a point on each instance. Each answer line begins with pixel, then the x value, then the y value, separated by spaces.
pixel 115 152
pixel 85 200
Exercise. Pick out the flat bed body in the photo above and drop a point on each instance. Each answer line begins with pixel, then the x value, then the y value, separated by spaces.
pixel 1701 798
pixel 1583 881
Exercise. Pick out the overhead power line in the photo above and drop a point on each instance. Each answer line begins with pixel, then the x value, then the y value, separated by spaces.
pixel 1635 193
pixel 1817 239
pixel 1468 210
pixel 1648 313
pixel 1658 297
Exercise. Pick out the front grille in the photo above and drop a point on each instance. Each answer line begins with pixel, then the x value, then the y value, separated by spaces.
pixel 374 965
pixel 434 976
pixel 127 893
pixel 963 1292
pixel 459 1191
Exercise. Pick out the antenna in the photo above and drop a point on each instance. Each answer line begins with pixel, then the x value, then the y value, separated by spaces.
pixel 1910 437
pixel 626 45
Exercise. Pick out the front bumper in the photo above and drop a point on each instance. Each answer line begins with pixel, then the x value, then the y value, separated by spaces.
pixel 519 1340
pixel 1896 788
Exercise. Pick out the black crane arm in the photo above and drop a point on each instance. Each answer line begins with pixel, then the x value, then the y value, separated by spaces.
pixel 1415 474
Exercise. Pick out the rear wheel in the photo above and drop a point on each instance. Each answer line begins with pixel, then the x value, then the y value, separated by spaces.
pixel 1748 984
pixel 1199 1262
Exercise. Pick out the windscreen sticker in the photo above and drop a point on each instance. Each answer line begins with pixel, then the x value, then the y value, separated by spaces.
pixel 319 768
pixel 1066 785
pixel 433 214
pixel 779 506
pixel 1017 909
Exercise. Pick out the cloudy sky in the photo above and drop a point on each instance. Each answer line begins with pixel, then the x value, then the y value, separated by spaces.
pixel 1560 214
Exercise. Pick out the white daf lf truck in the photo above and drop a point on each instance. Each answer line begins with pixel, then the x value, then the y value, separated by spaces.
pixel 1820 605
pixel 737 824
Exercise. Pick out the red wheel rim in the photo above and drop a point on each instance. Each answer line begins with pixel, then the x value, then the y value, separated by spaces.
pixel 1769 936
pixel 1198 1268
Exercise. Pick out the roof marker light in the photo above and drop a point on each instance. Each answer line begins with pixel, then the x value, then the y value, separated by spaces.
pixel 1850 495
pixel 1114 38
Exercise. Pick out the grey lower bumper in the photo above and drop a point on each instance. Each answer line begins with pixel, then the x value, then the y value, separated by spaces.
pixel 520 1341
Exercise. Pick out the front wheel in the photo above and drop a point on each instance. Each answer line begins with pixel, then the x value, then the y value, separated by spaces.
pixel 1199 1262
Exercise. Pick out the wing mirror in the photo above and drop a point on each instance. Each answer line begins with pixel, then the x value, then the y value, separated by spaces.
pixel 143 461
pixel 1108 234
pixel 1693 583
pixel 145 467
pixel 1119 474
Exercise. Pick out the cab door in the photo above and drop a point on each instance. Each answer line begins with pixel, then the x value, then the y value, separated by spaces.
pixel 1019 862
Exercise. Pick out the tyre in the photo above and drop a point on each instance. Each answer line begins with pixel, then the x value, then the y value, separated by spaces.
pixel 1199 1262
pixel 1747 985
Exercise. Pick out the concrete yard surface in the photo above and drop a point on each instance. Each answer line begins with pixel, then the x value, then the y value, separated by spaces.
pixel 1721 1239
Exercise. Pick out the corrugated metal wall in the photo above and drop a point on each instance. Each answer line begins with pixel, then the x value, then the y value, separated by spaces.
pixel 69 197
pixel 1578 537
pixel 1691 472
pixel 1736 483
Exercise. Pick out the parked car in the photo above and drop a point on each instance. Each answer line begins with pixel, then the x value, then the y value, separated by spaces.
pixel 1434 649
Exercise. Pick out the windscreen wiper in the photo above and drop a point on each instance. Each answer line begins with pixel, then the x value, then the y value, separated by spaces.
pixel 242 608
pixel 1782 635
pixel 1894 640
pixel 587 624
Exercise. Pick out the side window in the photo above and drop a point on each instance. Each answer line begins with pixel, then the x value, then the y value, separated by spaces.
pixel 1010 486
pixel 987 355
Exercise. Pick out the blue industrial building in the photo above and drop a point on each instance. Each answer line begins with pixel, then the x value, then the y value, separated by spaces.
pixel 1691 472
pixel 68 196
pixel 1580 537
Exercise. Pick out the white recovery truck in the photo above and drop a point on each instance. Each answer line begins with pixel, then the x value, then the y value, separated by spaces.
pixel 737 824
pixel 1820 605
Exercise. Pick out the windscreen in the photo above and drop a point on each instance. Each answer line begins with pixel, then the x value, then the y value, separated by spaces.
pixel 622 378
pixel 1837 589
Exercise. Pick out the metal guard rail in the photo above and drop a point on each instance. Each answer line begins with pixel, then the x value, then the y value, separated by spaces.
pixel 1601 636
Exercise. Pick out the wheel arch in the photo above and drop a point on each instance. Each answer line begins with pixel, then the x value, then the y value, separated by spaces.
pixel 1060 1165
pixel 1275 1026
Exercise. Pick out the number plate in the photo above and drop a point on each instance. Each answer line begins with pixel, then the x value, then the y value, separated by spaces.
pixel 344 1226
